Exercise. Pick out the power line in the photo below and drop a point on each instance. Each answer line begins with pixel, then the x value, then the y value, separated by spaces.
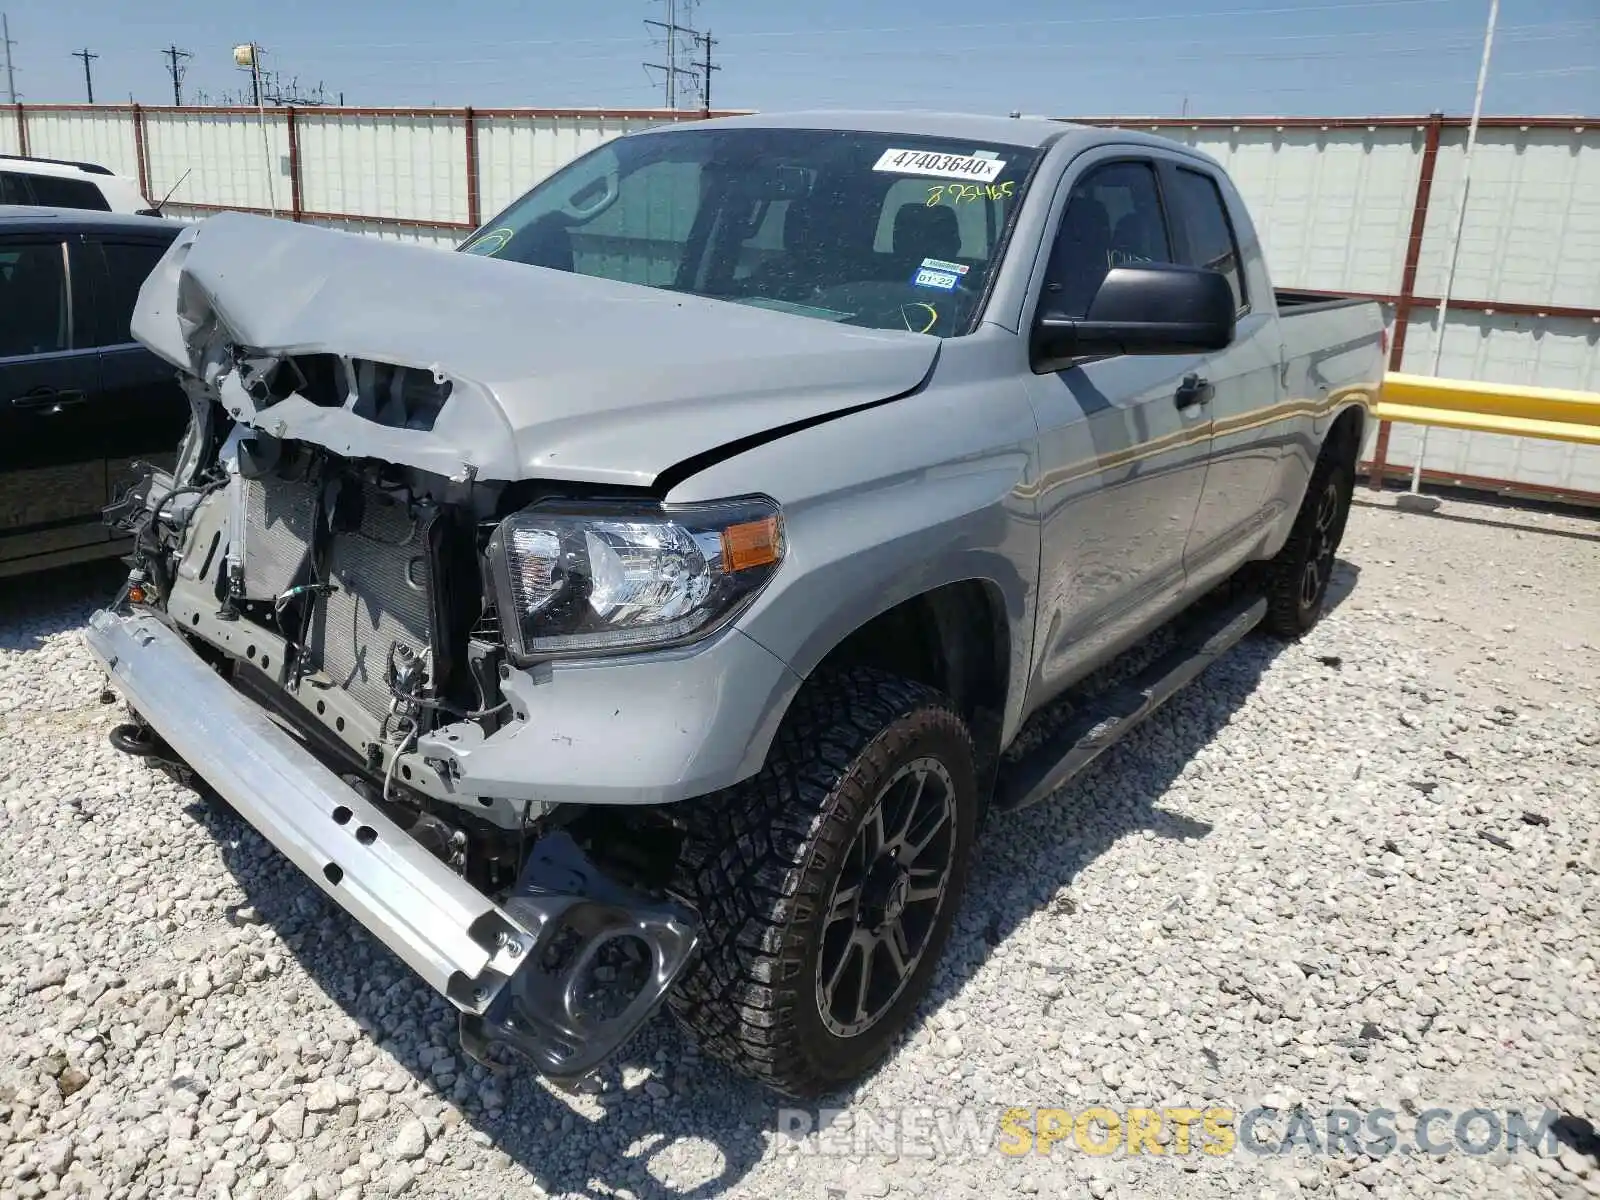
pixel 829 31
pixel 88 79
pixel 1430 40
pixel 177 70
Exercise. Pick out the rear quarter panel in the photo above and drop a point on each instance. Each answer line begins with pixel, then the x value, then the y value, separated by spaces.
pixel 1333 360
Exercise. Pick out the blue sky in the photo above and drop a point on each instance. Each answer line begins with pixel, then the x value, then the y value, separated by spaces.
pixel 1063 57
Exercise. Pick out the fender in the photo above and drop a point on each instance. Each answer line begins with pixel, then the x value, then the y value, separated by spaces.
pixel 889 503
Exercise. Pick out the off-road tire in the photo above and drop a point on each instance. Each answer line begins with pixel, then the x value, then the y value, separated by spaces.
pixel 1293 605
pixel 761 861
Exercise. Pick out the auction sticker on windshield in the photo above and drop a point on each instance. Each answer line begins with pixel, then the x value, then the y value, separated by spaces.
pixel 945 166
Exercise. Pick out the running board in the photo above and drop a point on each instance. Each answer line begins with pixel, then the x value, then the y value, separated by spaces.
pixel 1094 731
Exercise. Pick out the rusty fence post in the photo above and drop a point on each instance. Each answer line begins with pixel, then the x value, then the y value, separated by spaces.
pixel 473 215
pixel 140 156
pixel 1405 301
pixel 292 129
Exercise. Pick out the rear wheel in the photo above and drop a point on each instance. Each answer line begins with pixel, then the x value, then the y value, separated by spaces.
pixel 1297 578
pixel 828 882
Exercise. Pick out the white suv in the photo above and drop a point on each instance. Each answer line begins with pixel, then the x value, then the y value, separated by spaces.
pixel 56 183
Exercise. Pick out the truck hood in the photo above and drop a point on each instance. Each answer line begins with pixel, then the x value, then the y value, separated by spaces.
pixel 553 375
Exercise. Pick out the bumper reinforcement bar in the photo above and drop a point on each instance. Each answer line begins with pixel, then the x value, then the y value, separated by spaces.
pixel 518 974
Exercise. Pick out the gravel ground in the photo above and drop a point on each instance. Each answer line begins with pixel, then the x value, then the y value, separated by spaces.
pixel 1361 871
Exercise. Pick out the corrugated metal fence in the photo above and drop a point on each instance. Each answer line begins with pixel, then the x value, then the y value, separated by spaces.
pixel 1362 206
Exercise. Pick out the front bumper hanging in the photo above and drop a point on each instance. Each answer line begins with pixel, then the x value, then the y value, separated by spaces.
pixel 518 974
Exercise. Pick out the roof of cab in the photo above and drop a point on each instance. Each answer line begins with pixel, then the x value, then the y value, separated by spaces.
pixel 21 218
pixel 1011 131
pixel 1025 132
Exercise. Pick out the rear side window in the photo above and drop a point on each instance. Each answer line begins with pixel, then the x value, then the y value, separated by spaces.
pixel 51 191
pixel 35 316
pixel 128 264
pixel 1205 218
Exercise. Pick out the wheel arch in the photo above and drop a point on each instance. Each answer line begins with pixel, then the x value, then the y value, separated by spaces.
pixel 1345 434
pixel 955 638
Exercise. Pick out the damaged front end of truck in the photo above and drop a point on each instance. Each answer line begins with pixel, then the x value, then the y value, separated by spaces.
pixel 316 623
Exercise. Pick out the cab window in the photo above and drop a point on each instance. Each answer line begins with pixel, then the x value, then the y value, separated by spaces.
pixel 1212 244
pixel 1114 218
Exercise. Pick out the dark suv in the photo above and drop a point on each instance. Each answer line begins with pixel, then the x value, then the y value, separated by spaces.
pixel 79 397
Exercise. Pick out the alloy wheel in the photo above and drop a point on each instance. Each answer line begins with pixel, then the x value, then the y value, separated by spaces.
pixel 887 898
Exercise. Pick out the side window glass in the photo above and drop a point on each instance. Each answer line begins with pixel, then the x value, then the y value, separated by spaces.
pixel 1113 219
pixel 128 264
pixel 34 317
pixel 1205 219
pixel 14 188
pixel 51 191
pixel 642 236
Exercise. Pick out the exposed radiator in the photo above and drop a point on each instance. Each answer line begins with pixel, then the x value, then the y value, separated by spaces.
pixel 382 586
pixel 277 530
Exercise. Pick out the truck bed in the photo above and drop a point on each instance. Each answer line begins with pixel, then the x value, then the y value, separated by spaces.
pixel 1293 303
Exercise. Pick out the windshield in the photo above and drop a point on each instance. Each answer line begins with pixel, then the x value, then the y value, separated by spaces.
pixel 888 231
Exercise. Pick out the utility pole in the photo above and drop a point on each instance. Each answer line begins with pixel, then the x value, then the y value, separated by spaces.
pixel 88 79
pixel 672 68
pixel 706 41
pixel 5 36
pixel 175 68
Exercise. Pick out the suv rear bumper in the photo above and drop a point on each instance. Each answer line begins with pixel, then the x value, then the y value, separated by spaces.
pixel 486 961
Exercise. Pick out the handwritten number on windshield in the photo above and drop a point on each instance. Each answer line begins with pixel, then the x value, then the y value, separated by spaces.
pixel 966 193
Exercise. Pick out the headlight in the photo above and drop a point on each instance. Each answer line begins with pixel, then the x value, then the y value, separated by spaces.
pixel 574 579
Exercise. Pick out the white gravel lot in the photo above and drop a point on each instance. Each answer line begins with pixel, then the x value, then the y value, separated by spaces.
pixel 1358 872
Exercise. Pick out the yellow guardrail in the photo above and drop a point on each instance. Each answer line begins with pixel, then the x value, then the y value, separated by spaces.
pixel 1560 414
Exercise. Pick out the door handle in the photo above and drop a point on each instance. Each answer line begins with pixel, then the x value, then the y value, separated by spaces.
pixel 1193 391
pixel 48 399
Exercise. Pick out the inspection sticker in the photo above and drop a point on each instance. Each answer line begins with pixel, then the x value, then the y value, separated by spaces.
pixel 926 277
pixel 945 166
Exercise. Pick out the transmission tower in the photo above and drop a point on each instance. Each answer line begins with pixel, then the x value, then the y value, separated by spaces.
pixel 680 41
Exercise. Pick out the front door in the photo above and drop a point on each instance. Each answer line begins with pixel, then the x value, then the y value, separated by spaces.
pixel 1122 443
pixel 52 476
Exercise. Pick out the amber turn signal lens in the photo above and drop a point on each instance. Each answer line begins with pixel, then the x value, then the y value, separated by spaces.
pixel 750 544
pixel 136 594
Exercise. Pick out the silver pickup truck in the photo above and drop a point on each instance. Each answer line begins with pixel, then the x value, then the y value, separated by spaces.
pixel 640 603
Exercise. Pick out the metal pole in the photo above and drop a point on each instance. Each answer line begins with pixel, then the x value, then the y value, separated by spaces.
pixel 88 79
pixel 5 36
pixel 1461 217
pixel 706 99
pixel 672 54
pixel 261 114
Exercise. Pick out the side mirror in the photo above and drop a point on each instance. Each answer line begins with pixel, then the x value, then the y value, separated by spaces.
pixel 1156 308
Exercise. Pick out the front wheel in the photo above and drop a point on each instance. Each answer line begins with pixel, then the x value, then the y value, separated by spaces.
pixel 1297 578
pixel 828 882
